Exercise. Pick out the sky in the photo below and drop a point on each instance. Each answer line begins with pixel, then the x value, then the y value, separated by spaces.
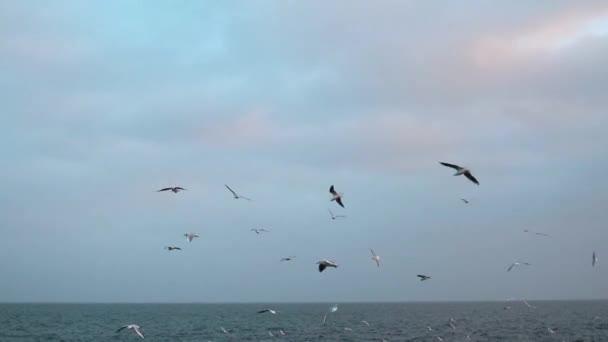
pixel 104 103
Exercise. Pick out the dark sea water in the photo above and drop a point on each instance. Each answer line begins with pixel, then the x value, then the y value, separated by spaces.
pixel 571 321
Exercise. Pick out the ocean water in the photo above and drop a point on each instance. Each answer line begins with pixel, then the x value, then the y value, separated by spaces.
pixel 571 321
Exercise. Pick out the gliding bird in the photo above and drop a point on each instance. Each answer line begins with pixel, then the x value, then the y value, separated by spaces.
pixel 175 189
pixel 323 264
pixel 190 236
pixel 133 327
pixel 375 257
pixel 336 196
pixel 461 171
pixel 236 196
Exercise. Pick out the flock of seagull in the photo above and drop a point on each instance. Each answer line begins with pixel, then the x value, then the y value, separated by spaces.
pixel 325 263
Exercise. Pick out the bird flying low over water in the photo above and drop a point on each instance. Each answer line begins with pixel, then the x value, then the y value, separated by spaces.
pixel 375 257
pixel 517 264
pixel 258 231
pixel 333 217
pixel 289 258
pixel 461 171
pixel 133 327
pixel 274 312
pixel 593 259
pixel 236 196
pixel 190 236
pixel 336 196
pixel 423 277
pixel 171 248
pixel 175 189
pixel 323 264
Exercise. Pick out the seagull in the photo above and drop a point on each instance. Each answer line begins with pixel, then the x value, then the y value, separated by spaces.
pixel 465 200
pixel 224 330
pixel 323 264
pixel 333 217
pixel 423 277
pixel 170 248
pixel 439 338
pixel 461 171
pixel 331 309
pixel 528 305
pixel 348 329
pixel 365 322
pixel 593 259
pixel 537 233
pixel 453 326
pixel 336 196
pixel 235 194
pixel 375 257
pixel 289 258
pixel 430 329
pixel 507 308
pixel 281 332
pixel 551 331
pixel 270 334
pixel 133 327
pixel 517 264
pixel 175 189
pixel 258 231
pixel 190 236
pixel 274 312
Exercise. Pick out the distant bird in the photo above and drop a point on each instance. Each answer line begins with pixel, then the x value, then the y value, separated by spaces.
pixel 528 305
pixel 281 332
pixel 170 248
pixel 224 330
pixel 289 258
pixel 270 334
pixel 517 264
pixel 365 322
pixel 236 196
pixel 507 308
pixel 323 264
pixel 258 231
pixel 334 308
pixel 537 233
pixel 190 236
pixel 133 327
pixel 336 196
pixel 333 217
pixel 375 257
pixel 461 171
pixel 550 330
pixel 274 312
pixel 430 329
pixel 439 339
pixel 465 200
pixel 452 325
pixel 593 259
pixel 423 277
pixel 348 329
pixel 175 189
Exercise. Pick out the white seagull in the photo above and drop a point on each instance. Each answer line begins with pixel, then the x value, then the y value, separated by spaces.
pixel 133 327
pixel 175 189
pixel 517 264
pixel 190 236
pixel 236 196
pixel 365 322
pixel 270 334
pixel 333 217
pixel 224 330
pixel 274 312
pixel 336 196
pixel 323 264
pixel 593 259
pixel 375 257
pixel 258 231
pixel 550 330
pixel 331 309
pixel 528 305
pixel 281 332
pixel 461 171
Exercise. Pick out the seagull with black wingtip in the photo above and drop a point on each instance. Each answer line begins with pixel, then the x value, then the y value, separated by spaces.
pixel 461 171
pixel 175 189
pixel 336 196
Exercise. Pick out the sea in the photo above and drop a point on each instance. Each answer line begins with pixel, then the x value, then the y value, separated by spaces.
pixel 484 321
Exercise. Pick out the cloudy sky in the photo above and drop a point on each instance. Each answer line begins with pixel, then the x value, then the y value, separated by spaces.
pixel 103 104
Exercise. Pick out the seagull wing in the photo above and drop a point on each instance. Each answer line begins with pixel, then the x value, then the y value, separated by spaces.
pixel 179 249
pixel 121 328
pixel 510 267
pixel 330 213
pixel 339 200
pixel 164 189
pixel 373 254
pixel 332 191
pixel 179 188
pixel 247 198
pixel 138 332
pixel 455 167
pixel 377 262
pixel 262 311
pixel 227 187
pixel 322 267
pixel 471 178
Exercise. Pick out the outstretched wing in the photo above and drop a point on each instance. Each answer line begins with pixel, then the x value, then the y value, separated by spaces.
pixel 227 187
pixel 339 200
pixel 510 267
pixel 164 189
pixel 179 188
pixel 138 332
pixel 121 328
pixel 453 166
pixel 262 311
pixel 332 191
pixel 471 178
pixel 373 253
pixel 322 267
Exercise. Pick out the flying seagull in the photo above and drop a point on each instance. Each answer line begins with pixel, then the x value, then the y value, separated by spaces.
pixel 258 231
pixel 274 312
pixel 465 200
pixel 133 327
pixel 323 264
pixel 365 322
pixel 517 264
pixel 461 171
pixel 190 236
pixel 175 189
pixel 270 334
pixel 439 339
pixel 550 330
pixel 281 332
pixel 375 257
pixel 170 248
pixel 333 217
pixel 336 196
pixel 224 330
pixel 423 277
pixel 537 233
pixel 236 196
pixel 528 305
pixel 331 309
pixel 289 258
pixel 593 259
